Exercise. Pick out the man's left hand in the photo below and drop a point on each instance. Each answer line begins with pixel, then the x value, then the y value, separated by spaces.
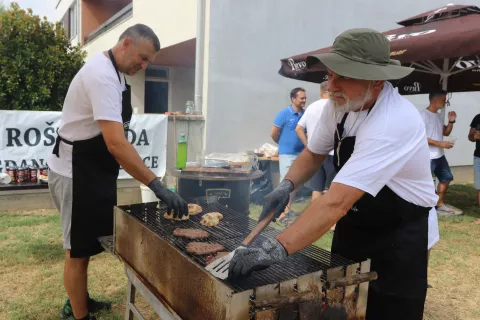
pixel 245 261
pixel 452 116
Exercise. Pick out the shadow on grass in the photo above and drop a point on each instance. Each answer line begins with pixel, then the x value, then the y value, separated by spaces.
pixel 46 252
pixel 464 197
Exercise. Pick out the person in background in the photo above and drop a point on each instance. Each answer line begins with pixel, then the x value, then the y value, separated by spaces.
pixel 474 136
pixel 289 145
pixel 324 176
pixel 85 162
pixel 436 130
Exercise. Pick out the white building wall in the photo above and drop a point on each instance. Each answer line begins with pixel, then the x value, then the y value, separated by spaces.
pixel 182 82
pixel 172 21
pixel 61 8
pixel 60 11
pixel 248 38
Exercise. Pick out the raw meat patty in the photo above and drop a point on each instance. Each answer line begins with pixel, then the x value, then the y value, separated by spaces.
pixel 203 248
pixel 191 233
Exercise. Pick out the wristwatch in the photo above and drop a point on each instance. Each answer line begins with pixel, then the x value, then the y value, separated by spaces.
pixel 452 121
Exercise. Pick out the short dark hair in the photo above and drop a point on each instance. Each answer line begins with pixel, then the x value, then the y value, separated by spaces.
pixel 293 93
pixel 324 87
pixel 141 31
pixel 436 93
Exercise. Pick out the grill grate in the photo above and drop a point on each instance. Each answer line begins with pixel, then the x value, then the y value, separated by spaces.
pixel 231 231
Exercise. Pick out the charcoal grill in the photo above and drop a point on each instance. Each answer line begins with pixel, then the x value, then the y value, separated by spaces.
pixel 309 282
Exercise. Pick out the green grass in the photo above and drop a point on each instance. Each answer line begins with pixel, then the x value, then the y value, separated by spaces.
pixel 31 266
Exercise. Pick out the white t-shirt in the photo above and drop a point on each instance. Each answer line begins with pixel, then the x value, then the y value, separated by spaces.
pixel 94 94
pixel 391 148
pixel 434 128
pixel 312 116
pixel 433 233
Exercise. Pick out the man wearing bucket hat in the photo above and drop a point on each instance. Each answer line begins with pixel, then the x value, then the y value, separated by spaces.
pixel 383 191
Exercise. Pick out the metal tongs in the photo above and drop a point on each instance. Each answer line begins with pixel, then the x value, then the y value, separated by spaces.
pixel 219 268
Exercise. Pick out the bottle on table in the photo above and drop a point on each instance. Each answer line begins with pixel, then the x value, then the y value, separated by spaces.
pixel 182 152
pixel 189 108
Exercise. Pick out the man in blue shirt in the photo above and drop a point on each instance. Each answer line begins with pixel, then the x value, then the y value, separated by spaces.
pixel 283 133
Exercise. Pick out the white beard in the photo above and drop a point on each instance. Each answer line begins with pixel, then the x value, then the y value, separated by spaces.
pixel 350 105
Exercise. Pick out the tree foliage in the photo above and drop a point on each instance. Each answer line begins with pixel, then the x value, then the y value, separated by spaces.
pixel 37 61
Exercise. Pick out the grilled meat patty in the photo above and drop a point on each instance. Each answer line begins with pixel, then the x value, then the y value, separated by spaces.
pixel 190 233
pixel 203 248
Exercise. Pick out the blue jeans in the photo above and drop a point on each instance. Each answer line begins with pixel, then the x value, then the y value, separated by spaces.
pixel 441 169
pixel 476 168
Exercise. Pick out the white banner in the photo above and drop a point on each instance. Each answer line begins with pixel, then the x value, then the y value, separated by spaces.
pixel 28 137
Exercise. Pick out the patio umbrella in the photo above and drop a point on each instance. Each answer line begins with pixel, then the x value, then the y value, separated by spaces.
pixel 442 45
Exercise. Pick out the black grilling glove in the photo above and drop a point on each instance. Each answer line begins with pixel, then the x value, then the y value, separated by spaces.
pixel 246 260
pixel 277 199
pixel 172 200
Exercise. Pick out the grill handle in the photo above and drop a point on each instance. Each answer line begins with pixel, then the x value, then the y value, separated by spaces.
pixel 258 229
pixel 296 298
pixel 352 280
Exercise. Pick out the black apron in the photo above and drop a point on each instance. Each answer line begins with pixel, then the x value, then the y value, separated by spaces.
pixel 95 172
pixel 393 233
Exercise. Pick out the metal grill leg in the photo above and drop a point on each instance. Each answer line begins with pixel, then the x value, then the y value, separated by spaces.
pixel 130 301
pixel 132 312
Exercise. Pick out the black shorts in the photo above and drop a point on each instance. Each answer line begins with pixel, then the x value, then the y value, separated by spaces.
pixel 322 179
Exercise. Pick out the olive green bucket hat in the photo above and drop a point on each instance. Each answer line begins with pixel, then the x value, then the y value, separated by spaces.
pixel 361 54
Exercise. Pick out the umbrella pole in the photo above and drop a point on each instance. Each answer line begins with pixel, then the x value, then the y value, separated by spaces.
pixel 445 82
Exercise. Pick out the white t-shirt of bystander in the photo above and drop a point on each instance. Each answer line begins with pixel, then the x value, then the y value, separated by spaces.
pixel 434 128
pixel 391 148
pixel 95 93
pixel 312 116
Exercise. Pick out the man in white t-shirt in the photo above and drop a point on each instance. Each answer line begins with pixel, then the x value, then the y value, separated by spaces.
pixel 436 130
pixel 322 179
pixel 85 162
pixel 383 191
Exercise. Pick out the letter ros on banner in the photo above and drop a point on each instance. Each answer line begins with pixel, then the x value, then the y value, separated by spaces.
pixel 28 137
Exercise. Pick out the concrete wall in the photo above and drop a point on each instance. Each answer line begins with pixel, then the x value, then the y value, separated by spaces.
pixel 248 38
pixel 182 82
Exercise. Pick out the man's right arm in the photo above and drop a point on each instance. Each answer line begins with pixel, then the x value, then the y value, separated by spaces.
pixel 472 134
pixel 275 133
pixel 128 158
pixel 440 144
pixel 301 134
pixel 106 100
pixel 124 152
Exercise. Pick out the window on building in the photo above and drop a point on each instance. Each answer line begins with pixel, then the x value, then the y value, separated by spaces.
pixel 157 91
pixel 70 21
